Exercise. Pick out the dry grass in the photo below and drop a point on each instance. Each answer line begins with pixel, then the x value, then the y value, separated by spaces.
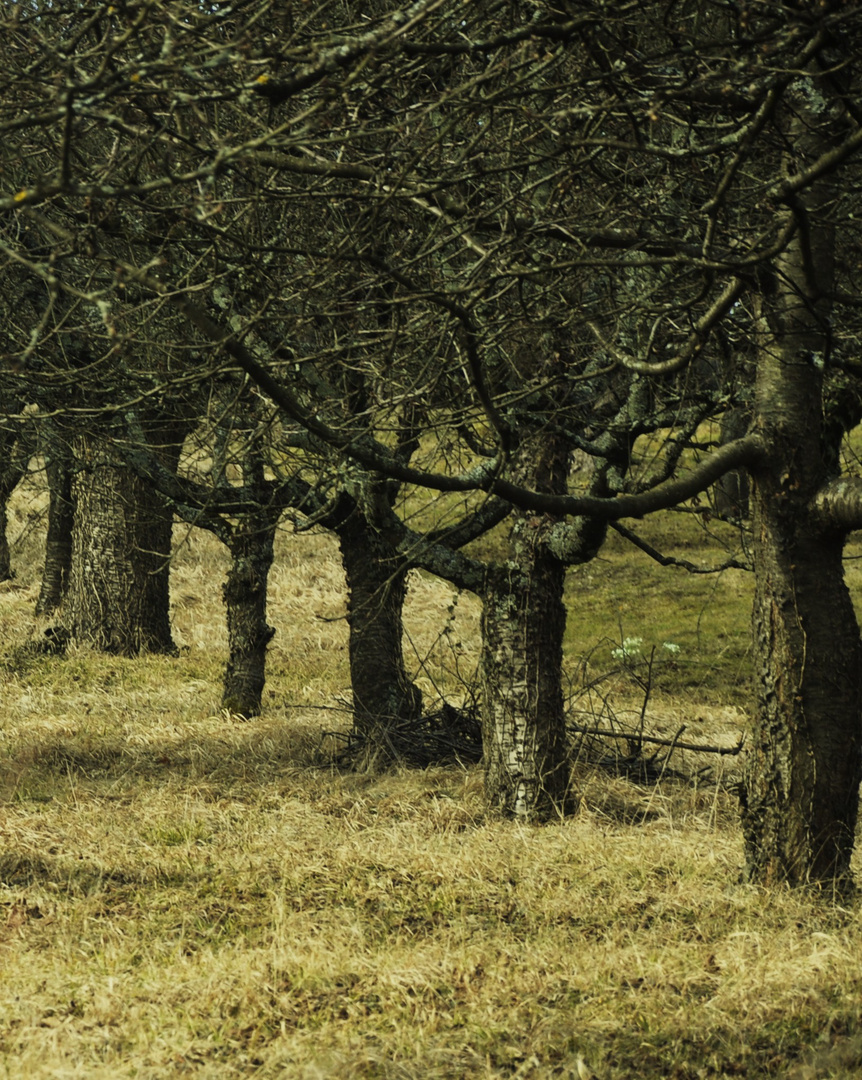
pixel 185 895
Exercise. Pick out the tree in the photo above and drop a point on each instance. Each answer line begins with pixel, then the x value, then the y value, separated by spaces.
pixel 802 786
pixel 117 598
pixel 801 800
pixel 384 696
pixel 243 513
pixel 58 542
pixel 460 190
pixel 16 446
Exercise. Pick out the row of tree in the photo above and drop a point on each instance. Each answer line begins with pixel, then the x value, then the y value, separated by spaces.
pixel 408 273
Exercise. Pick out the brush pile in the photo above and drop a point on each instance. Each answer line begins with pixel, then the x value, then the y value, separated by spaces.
pixel 450 736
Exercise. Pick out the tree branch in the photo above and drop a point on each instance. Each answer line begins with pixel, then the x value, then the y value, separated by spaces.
pixel 670 560
pixel 837 507
pixel 745 452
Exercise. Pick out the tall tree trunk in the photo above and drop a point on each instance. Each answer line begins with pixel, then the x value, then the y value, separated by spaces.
pixel 800 795
pixel 383 694
pixel 118 598
pixel 58 543
pixel 245 593
pixel 527 769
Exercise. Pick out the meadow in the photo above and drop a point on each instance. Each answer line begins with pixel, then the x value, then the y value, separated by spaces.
pixel 185 894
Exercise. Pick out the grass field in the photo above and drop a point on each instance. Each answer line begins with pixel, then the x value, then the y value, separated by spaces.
pixel 186 895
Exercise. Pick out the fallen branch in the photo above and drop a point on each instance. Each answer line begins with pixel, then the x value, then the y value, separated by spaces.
pixel 674 743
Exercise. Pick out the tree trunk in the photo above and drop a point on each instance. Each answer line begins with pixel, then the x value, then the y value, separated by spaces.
pixel 118 598
pixel 5 560
pixel 800 794
pixel 58 543
pixel 249 634
pixel 802 785
pixel 16 448
pixel 732 492
pixel 383 694
pixel 523 725
pixel 527 769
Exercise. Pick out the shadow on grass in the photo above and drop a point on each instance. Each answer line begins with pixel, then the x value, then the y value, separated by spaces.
pixel 260 751
pixel 19 870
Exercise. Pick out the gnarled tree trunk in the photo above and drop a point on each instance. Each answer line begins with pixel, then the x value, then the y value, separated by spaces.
pixel 523 621
pixel 383 694
pixel 251 548
pixel 117 599
pixel 801 789
pixel 527 768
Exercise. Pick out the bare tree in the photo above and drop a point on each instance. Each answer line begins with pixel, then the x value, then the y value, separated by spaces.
pixel 430 200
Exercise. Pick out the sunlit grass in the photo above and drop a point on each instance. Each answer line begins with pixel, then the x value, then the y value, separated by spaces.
pixel 186 894
pixel 226 908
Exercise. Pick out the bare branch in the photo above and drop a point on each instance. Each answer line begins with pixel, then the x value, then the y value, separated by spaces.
pixel 670 560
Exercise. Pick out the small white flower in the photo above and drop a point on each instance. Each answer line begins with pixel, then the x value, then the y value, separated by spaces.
pixel 629 650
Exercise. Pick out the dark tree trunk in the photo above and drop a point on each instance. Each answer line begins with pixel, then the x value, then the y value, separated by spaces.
pixel 16 448
pixel 733 490
pixel 801 790
pixel 251 548
pixel 118 599
pixel 383 694
pixel 527 769
pixel 58 543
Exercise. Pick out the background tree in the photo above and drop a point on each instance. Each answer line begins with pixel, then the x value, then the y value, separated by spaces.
pixel 16 450
pixel 57 455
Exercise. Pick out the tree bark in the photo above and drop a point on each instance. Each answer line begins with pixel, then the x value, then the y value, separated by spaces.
pixel 527 773
pixel 801 789
pixel 732 492
pixel 245 594
pixel 800 795
pixel 527 768
pixel 58 543
pixel 118 594
pixel 383 694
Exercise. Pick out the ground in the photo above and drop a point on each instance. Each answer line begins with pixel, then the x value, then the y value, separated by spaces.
pixel 184 894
